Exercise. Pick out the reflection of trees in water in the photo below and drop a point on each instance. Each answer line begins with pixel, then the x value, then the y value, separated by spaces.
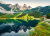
pixel 5 29
pixel 14 28
pixel 18 25
pixel 31 23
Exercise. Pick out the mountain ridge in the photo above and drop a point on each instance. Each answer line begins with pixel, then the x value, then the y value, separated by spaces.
pixel 2 2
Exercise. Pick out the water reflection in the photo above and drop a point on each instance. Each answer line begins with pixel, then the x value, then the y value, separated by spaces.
pixel 10 25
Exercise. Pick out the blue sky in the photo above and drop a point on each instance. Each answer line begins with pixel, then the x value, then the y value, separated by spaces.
pixel 32 3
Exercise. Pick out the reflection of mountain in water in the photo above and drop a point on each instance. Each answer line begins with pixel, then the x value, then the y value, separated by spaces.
pixel 18 25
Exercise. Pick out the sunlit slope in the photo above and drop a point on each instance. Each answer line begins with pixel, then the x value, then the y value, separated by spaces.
pixel 9 15
pixel 21 15
pixel 42 29
pixel 16 15
pixel 25 16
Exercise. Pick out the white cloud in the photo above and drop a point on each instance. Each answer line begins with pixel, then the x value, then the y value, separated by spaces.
pixel 33 3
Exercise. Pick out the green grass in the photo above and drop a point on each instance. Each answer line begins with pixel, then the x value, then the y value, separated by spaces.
pixel 48 21
pixel 42 29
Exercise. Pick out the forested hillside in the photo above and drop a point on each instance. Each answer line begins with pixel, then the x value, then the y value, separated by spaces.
pixel 45 9
pixel 5 7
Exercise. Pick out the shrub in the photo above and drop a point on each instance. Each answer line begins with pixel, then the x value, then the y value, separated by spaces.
pixel 42 29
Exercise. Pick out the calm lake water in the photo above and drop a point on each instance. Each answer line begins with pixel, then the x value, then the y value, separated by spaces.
pixel 17 27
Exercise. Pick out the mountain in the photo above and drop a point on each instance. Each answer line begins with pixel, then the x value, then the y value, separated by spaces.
pixel 1 8
pixel 2 2
pixel 45 9
pixel 17 7
pixel 5 7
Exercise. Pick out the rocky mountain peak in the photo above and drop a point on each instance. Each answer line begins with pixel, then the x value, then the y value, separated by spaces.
pixel 2 2
pixel 24 6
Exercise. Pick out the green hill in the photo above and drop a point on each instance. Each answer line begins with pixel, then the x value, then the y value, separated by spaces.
pixel 45 9
pixel 5 6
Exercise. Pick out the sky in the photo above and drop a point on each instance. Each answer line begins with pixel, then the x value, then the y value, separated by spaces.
pixel 32 3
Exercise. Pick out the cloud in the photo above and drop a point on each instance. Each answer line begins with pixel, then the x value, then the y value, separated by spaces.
pixel 33 3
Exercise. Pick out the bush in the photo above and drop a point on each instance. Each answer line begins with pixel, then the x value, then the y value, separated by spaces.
pixel 41 19
pixel 48 15
pixel 42 29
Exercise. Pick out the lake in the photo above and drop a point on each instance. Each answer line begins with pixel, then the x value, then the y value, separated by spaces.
pixel 16 27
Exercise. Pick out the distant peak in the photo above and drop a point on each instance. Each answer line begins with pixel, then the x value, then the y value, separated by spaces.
pixel 2 2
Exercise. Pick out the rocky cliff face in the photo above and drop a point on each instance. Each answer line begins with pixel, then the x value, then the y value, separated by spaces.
pixel 14 7
pixel 24 7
